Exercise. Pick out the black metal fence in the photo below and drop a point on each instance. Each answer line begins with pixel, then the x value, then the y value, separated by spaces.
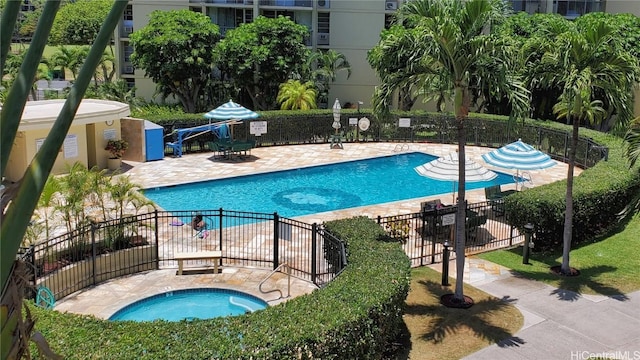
pixel 424 234
pixel 101 251
pixel 439 128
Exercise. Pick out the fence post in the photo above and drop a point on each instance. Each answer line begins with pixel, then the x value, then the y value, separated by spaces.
pixel 34 277
pixel 157 236
pixel 220 228
pixel 314 250
pixel 276 236
pixel 93 251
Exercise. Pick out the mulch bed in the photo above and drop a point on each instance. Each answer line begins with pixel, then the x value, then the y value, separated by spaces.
pixel 557 270
pixel 450 301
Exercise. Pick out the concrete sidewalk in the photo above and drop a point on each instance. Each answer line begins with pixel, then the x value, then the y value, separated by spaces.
pixel 558 324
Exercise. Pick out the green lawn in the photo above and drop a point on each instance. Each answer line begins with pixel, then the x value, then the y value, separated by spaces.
pixel 610 266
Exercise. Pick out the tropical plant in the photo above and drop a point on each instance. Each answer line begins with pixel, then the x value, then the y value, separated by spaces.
pixel 448 42
pixel 295 95
pixel 175 49
pixel 326 65
pixel 632 139
pixel 117 148
pixel 596 80
pixel 23 196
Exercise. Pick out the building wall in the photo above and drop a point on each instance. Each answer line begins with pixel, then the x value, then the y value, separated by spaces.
pixel 27 145
pixel 623 6
pixel 98 134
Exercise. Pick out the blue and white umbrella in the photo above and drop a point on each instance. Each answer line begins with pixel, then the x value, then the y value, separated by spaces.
pixel 446 169
pixel 231 111
pixel 519 156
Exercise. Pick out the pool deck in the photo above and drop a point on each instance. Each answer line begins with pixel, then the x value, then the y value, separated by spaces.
pixel 105 299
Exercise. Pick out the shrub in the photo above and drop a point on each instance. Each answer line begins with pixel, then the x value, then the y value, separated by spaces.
pixel 347 319
pixel 600 193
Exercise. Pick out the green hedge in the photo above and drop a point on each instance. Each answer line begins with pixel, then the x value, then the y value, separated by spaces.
pixel 600 193
pixel 356 316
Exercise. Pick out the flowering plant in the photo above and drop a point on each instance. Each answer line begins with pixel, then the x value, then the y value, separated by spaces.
pixel 117 148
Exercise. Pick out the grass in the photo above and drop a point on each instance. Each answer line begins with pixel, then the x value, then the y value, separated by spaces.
pixel 607 267
pixel 438 332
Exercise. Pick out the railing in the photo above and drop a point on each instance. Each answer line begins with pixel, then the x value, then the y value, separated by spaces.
pixel 277 290
pixel 97 252
pixel 423 234
pixel 438 128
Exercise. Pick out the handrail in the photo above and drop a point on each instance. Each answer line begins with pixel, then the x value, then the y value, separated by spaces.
pixel 278 290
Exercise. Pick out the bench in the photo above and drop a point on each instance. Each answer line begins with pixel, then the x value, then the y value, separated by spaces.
pixel 199 255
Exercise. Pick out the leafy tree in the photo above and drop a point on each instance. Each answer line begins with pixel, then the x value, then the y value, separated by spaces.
pixel 295 95
pixel 261 55
pixel 78 22
pixel 327 65
pixel 596 79
pixel 176 50
pixel 448 43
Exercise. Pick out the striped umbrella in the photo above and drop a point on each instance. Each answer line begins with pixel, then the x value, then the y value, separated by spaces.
pixel 231 111
pixel 520 156
pixel 446 169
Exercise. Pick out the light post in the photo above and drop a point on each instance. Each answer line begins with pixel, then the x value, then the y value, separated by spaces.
pixel 528 244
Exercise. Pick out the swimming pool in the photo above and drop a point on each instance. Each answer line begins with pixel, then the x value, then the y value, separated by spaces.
pixel 315 189
pixel 189 304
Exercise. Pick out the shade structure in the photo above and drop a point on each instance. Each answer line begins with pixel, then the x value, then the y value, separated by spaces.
pixel 519 156
pixel 446 169
pixel 231 111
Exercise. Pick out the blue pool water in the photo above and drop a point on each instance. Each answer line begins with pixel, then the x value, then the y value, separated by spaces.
pixel 190 304
pixel 315 189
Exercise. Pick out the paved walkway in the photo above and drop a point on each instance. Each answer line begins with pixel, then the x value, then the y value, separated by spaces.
pixel 558 324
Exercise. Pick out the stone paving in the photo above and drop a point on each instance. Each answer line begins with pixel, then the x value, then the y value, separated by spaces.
pixel 107 298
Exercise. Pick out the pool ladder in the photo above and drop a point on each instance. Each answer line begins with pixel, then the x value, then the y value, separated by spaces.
pixel 278 290
pixel 401 148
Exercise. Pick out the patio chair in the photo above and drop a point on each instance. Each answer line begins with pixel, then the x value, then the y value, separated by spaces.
pixel 472 225
pixel 495 196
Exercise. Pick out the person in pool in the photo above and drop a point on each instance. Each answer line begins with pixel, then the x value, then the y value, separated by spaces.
pixel 198 223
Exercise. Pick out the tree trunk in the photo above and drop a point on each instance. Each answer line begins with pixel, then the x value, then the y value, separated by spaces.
pixel 568 215
pixel 462 111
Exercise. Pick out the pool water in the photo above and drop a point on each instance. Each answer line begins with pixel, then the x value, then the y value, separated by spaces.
pixel 190 304
pixel 316 189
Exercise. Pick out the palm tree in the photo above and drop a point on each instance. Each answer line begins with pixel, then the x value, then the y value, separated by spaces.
pixel 69 58
pixel 295 95
pixel 632 139
pixel 327 65
pixel 448 42
pixel 591 73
